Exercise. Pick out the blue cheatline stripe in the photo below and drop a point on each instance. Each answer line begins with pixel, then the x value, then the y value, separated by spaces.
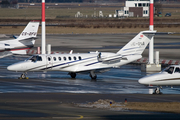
pixel 91 64
pixel 67 63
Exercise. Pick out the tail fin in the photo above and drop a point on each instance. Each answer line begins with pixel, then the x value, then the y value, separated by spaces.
pixel 137 44
pixel 30 30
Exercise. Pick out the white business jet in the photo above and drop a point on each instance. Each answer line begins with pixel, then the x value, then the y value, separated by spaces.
pixel 170 76
pixel 93 62
pixel 20 44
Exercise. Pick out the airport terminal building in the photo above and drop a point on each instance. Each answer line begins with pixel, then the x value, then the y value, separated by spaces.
pixel 134 8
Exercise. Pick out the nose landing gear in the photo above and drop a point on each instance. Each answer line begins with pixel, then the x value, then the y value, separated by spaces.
pixel 23 76
pixel 157 91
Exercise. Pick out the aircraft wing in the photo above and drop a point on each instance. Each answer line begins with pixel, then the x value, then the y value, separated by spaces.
pixel 21 52
pixel 111 59
pixel 9 53
pixel 5 54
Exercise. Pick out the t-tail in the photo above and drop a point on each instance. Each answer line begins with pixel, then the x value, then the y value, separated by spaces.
pixel 30 31
pixel 26 40
pixel 138 44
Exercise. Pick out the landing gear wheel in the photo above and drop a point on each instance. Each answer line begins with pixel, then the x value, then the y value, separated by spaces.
pixel 23 76
pixel 72 74
pixel 157 91
pixel 93 77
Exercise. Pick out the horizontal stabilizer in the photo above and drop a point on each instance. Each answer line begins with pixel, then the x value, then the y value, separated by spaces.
pixel 22 52
pixel 30 38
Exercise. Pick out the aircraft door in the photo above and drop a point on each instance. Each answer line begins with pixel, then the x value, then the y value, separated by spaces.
pixel 49 62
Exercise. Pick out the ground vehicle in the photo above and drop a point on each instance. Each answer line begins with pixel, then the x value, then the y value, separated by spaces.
pixel 168 15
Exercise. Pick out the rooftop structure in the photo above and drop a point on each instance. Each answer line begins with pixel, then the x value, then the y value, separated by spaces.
pixel 134 8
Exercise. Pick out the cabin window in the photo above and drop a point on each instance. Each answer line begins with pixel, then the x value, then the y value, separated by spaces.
pixel 177 70
pixel 64 58
pixel 59 58
pixel 69 58
pixel 144 4
pixel 79 57
pixel 74 58
pixel 169 70
pixel 54 58
pixel 49 59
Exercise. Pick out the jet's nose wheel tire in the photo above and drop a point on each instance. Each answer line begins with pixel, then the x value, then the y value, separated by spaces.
pixel 23 76
pixel 157 91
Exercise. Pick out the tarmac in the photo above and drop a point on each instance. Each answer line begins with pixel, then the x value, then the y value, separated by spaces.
pixel 17 103
pixel 45 106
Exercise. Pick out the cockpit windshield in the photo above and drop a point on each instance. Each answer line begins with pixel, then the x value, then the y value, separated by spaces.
pixel 169 70
pixel 35 58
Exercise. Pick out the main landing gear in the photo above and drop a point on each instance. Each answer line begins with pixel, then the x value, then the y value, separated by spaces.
pixel 157 91
pixel 23 76
pixel 93 75
pixel 72 74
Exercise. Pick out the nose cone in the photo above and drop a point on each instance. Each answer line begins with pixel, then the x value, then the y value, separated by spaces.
pixel 14 67
pixel 9 68
pixel 143 81
pixel 147 80
pixel 152 79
